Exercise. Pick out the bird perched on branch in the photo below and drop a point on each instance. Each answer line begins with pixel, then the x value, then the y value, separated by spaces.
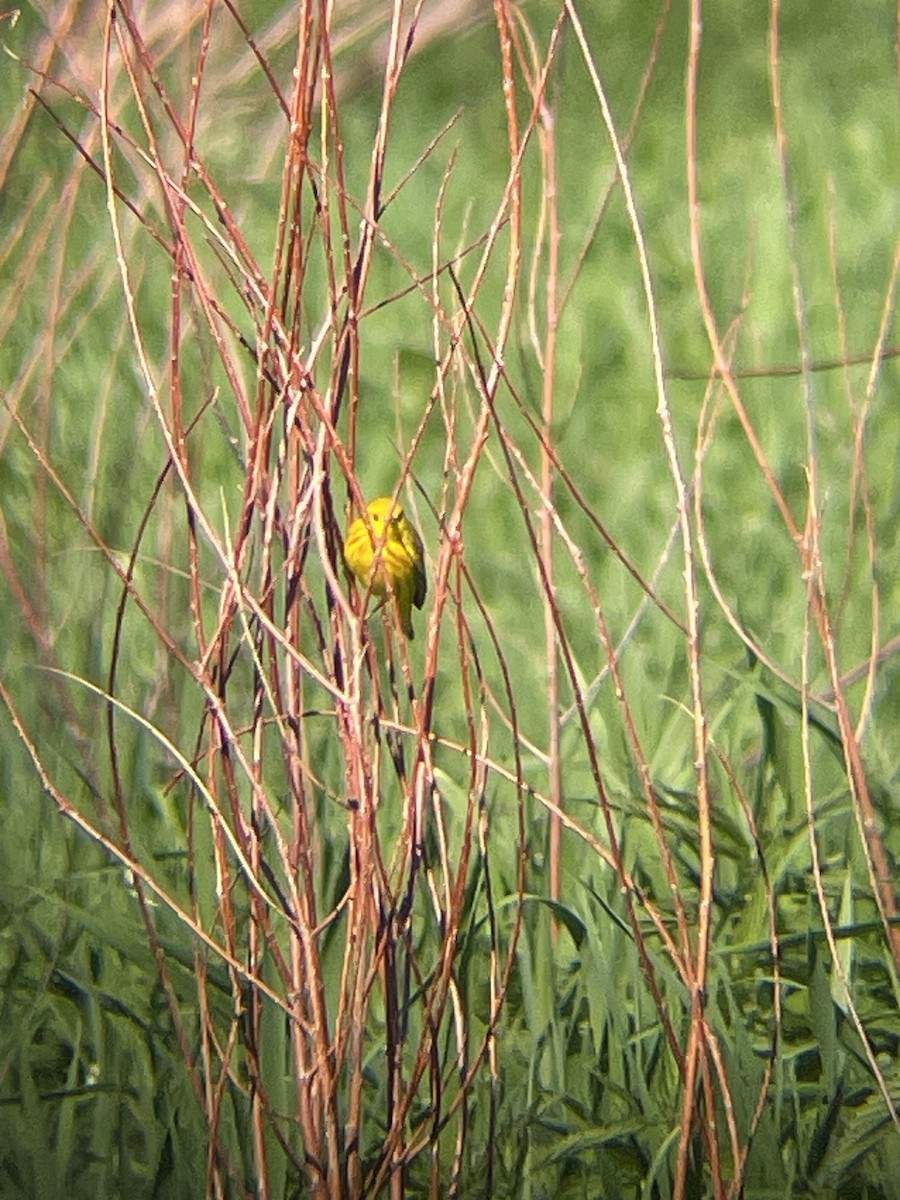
pixel 385 553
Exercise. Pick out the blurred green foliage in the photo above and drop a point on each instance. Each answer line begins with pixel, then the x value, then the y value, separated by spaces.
pixel 93 1097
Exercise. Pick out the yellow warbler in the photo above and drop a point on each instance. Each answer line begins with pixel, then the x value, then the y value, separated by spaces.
pixel 393 564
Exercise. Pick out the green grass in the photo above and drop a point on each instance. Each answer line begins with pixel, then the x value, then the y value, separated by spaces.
pixel 154 1029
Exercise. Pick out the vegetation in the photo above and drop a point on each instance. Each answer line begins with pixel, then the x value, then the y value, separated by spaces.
pixel 588 890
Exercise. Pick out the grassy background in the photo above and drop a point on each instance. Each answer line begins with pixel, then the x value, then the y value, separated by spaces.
pixel 117 1077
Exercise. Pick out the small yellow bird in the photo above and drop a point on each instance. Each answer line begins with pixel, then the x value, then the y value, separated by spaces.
pixel 391 564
